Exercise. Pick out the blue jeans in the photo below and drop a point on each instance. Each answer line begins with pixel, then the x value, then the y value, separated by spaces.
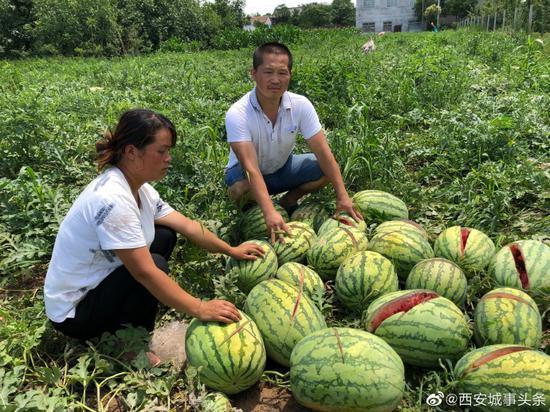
pixel 297 170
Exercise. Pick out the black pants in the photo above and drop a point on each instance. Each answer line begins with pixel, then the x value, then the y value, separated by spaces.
pixel 119 299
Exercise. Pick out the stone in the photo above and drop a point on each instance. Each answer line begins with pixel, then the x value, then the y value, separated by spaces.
pixel 168 343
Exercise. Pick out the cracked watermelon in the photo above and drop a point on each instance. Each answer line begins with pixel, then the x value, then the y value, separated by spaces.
pixel 380 206
pixel 231 356
pixel 296 244
pixel 506 369
pixel 507 315
pixel 470 249
pixel 296 274
pixel 344 369
pixel 342 220
pixel 420 325
pixel 284 315
pixel 252 223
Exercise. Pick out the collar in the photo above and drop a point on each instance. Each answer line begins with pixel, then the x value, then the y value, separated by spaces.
pixel 285 101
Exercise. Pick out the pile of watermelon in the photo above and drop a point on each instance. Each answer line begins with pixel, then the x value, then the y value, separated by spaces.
pixel 405 289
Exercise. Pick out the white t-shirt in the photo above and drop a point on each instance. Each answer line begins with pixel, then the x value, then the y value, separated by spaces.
pixel 245 121
pixel 105 217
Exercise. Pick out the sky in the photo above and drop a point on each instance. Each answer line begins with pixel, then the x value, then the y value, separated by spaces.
pixel 267 6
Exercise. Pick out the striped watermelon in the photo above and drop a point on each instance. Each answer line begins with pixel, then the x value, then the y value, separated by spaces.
pixel 420 325
pixel 440 275
pixel 513 370
pixel 507 315
pixel 399 224
pixel 252 224
pixel 216 402
pixel 333 247
pixel 313 214
pixel 251 272
pixel 362 277
pixel 342 220
pixel 296 274
pixel 284 315
pixel 523 265
pixel 344 369
pixel 470 249
pixel 231 357
pixel 380 206
pixel 296 244
pixel 404 247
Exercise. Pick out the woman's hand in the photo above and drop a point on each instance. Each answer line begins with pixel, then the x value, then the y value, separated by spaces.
pixel 218 310
pixel 246 251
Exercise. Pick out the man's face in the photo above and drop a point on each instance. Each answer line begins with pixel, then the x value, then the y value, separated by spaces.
pixel 272 76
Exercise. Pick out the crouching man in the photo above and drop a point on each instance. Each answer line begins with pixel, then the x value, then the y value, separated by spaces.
pixel 262 128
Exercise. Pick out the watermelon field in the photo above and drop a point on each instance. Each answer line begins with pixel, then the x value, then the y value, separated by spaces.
pixel 453 127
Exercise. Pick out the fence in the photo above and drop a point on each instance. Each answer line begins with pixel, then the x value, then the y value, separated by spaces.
pixel 527 19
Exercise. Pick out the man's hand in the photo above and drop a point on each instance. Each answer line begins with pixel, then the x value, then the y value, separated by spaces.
pixel 218 310
pixel 345 204
pixel 276 226
pixel 246 251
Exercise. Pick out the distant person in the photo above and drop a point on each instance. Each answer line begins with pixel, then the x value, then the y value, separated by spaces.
pixel 434 27
pixel 109 264
pixel 261 130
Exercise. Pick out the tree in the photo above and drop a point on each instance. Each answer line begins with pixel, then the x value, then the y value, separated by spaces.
pixel 314 15
pixel 282 14
pixel 16 17
pixel 459 8
pixel 342 13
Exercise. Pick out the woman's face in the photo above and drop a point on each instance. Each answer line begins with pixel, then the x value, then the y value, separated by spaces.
pixel 156 156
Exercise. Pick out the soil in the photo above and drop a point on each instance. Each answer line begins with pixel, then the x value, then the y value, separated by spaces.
pixel 265 397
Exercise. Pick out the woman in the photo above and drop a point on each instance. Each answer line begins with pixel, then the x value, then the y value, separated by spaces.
pixel 109 263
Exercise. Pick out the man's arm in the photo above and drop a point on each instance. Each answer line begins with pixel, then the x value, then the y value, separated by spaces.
pixel 246 154
pixel 320 148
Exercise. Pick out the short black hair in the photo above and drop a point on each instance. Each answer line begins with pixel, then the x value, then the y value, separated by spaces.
pixel 270 48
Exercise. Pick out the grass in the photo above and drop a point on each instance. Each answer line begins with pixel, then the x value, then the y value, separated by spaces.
pixel 456 124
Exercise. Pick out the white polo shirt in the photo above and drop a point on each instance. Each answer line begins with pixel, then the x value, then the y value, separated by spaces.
pixel 245 121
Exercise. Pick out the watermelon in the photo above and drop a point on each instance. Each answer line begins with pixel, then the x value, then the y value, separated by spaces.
pixel 513 371
pixel 507 315
pixel 523 265
pixel 399 224
pixel 362 277
pixel 470 249
pixel 342 220
pixel 251 272
pixel 405 248
pixel 313 214
pixel 252 223
pixel 333 247
pixel 440 275
pixel 231 357
pixel 420 325
pixel 295 244
pixel 284 315
pixel 296 274
pixel 344 369
pixel 380 206
pixel 216 402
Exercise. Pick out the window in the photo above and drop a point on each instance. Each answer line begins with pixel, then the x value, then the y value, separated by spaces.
pixel 386 26
pixel 369 26
pixel 392 3
pixel 368 4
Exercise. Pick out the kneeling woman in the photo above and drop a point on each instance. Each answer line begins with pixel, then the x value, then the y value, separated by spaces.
pixel 109 263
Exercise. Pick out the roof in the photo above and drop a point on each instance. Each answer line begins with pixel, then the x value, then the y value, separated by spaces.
pixel 260 19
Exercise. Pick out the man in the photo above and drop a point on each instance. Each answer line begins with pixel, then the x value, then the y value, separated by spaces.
pixel 261 130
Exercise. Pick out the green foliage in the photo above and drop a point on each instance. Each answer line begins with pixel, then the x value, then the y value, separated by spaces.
pixel 342 13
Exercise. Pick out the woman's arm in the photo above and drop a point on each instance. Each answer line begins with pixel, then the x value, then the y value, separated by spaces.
pixel 202 237
pixel 141 266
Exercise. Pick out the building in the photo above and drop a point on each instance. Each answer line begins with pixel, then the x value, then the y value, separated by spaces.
pixel 257 20
pixel 386 15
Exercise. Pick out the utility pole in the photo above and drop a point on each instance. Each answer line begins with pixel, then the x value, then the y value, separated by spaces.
pixel 438 9
pixel 422 16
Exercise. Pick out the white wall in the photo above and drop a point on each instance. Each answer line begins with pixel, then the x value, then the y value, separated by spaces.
pixel 402 13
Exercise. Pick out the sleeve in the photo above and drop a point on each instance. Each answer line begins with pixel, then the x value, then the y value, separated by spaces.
pixel 236 127
pixel 160 207
pixel 309 121
pixel 117 224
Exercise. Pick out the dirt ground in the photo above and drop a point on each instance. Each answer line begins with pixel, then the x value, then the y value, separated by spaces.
pixel 266 398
